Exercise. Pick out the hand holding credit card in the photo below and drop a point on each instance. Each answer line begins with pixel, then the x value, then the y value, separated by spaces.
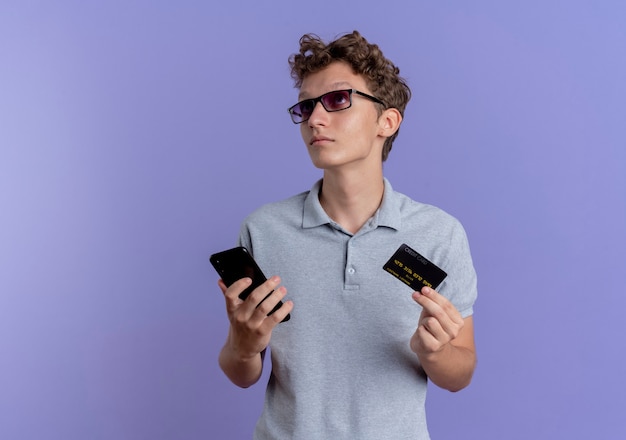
pixel 413 269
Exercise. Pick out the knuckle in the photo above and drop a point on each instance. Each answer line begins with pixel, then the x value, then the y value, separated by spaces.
pixel 240 320
pixel 448 307
pixel 438 314
pixel 232 293
pixel 265 307
pixel 275 317
pixel 261 292
pixel 431 321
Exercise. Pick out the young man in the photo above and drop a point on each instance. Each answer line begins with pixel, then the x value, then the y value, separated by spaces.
pixel 354 359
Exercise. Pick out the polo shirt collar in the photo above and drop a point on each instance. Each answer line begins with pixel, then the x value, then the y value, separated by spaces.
pixel 387 215
pixel 313 214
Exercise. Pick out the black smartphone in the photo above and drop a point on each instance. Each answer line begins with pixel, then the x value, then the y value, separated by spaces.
pixel 237 263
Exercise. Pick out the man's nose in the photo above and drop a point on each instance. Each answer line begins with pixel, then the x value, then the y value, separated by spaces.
pixel 319 115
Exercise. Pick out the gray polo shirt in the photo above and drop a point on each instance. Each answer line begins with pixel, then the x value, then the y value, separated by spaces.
pixel 342 367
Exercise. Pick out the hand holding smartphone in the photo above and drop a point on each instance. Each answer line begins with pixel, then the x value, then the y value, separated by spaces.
pixel 237 263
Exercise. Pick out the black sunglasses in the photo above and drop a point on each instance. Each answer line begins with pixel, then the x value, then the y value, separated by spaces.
pixel 332 102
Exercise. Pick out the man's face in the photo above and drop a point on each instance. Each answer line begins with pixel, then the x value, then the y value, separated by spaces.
pixel 347 138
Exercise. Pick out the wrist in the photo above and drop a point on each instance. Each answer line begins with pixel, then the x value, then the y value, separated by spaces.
pixel 237 354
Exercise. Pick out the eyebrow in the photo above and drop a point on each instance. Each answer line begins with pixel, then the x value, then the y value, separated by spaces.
pixel 340 85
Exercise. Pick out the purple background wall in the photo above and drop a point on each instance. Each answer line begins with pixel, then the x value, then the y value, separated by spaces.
pixel 135 136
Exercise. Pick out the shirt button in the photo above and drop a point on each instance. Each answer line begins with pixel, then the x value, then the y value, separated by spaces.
pixel 351 270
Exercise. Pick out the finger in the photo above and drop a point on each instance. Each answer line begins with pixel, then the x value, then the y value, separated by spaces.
pixel 448 317
pixel 233 291
pixel 275 318
pixel 426 341
pixel 439 321
pixel 263 290
pixel 262 300
pixel 434 328
pixel 438 305
pixel 271 300
pixel 222 286
pixel 282 312
pixel 434 296
pixel 430 307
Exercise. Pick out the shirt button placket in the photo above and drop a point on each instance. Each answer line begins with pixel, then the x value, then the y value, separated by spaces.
pixel 350 270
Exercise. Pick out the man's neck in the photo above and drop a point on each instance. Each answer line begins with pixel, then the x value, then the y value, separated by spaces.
pixel 351 200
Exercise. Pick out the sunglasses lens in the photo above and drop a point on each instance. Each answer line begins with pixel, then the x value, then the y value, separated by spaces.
pixel 331 101
pixel 306 108
pixel 302 110
pixel 337 100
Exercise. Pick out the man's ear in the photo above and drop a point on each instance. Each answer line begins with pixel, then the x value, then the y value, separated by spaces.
pixel 389 122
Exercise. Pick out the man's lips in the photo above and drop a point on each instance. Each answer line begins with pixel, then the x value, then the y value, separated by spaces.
pixel 319 139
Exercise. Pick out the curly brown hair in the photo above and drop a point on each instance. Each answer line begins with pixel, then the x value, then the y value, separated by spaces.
pixel 366 59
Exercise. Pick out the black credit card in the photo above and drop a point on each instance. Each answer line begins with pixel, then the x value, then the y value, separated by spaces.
pixel 413 269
